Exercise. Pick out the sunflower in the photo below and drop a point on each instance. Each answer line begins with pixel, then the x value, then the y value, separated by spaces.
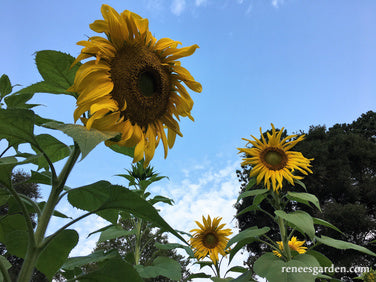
pixel 273 161
pixel 294 244
pixel 210 239
pixel 133 85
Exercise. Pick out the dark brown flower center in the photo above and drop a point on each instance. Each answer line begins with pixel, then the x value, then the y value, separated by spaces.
pixel 210 241
pixel 142 82
pixel 274 158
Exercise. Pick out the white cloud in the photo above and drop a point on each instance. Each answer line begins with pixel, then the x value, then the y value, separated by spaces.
pixel 277 3
pixel 177 7
pixel 200 2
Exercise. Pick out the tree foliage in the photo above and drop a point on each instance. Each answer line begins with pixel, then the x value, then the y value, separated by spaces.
pixel 344 180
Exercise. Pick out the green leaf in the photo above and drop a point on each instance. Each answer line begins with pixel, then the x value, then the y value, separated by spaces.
pixel 56 252
pixel 171 246
pixel 300 183
pixel 18 101
pixel 5 262
pixel 304 198
pixel 96 256
pixel 113 232
pixel 249 233
pixel 198 275
pixel 13 234
pixel 237 269
pixel 113 270
pixel 6 166
pixel 257 200
pixel 103 195
pixel 158 199
pixel 300 219
pixel 123 150
pixel 56 68
pixel 54 149
pixel 342 245
pixel 325 223
pixel 55 212
pixel 245 277
pixel 275 269
pixel 44 87
pixel 163 266
pixel 251 182
pixel 252 193
pixel 43 177
pixel 5 86
pixel 322 260
pixel 240 245
pixel 17 125
pixel 86 139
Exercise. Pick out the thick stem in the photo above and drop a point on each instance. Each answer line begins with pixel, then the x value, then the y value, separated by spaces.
pixel 27 269
pixel 282 227
pixel 137 251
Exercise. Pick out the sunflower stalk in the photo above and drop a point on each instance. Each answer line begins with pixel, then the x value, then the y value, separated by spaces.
pixel 137 251
pixel 36 245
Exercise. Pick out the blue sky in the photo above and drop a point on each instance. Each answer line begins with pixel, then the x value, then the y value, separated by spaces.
pixel 295 63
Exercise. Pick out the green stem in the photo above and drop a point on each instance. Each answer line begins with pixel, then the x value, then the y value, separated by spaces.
pixel 137 251
pixel 217 268
pixel 36 245
pixel 5 272
pixel 27 269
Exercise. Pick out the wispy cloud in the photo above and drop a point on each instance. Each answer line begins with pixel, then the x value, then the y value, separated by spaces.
pixel 177 7
pixel 277 3
pixel 201 2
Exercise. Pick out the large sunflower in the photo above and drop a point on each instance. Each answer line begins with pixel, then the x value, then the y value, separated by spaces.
pixel 134 84
pixel 273 161
pixel 294 244
pixel 210 239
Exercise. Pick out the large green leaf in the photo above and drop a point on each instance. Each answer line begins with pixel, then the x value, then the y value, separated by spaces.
pixel 43 87
pixel 171 246
pixel 56 252
pixel 5 86
pixel 249 233
pixel 275 269
pixel 123 150
pixel 240 245
pixel 163 266
pixel 325 223
pixel 56 68
pixel 113 232
pixel 54 149
pixel 245 277
pixel 252 193
pixel 86 139
pixel 322 260
pixel 300 219
pixel 17 126
pixel 342 245
pixel 304 198
pixel 103 195
pixel 255 204
pixel 18 101
pixel 113 270
pixel 13 234
pixel 96 256
pixel 6 166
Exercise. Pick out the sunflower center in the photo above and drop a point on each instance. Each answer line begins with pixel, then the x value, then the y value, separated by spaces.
pixel 210 241
pixel 147 84
pixel 141 84
pixel 274 158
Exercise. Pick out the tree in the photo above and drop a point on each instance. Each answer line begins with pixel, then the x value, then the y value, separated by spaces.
pixel 19 181
pixel 344 180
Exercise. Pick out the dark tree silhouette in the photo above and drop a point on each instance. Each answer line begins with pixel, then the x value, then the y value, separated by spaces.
pixel 343 179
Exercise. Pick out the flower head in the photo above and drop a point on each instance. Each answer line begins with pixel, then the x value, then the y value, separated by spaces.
pixel 210 238
pixel 294 244
pixel 273 161
pixel 133 85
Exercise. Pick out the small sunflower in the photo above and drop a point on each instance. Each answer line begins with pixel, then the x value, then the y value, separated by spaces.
pixel 294 244
pixel 134 84
pixel 210 239
pixel 273 161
